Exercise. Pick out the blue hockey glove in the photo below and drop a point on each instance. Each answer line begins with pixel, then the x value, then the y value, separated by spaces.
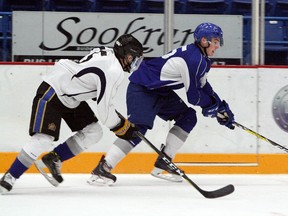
pixel 211 111
pixel 225 116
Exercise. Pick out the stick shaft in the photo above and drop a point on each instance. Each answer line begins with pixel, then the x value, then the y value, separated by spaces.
pixel 260 136
pixel 207 194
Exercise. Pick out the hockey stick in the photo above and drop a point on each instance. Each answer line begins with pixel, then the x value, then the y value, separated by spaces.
pixel 260 136
pixel 207 194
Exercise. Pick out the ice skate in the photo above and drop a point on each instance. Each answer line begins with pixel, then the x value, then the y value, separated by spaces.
pixel 160 167
pixel 6 183
pixel 53 163
pixel 101 175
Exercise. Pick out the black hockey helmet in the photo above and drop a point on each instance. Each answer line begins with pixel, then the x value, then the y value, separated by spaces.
pixel 127 44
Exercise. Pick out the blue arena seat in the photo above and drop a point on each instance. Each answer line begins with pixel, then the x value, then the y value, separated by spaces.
pixel 72 5
pixel 116 6
pixel 5 24
pixel 276 35
pixel 157 6
pixel 281 8
pixel 5 36
pixel 244 7
pixel 1 6
pixel 206 6
pixel 28 5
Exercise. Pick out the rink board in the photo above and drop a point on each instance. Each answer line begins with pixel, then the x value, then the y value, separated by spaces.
pixel 210 148
pixel 194 163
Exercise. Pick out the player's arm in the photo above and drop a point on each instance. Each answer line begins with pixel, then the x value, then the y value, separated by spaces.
pixel 224 114
pixel 197 96
pixel 108 115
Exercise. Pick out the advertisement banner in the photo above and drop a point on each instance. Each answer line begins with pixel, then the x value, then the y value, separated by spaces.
pixel 48 36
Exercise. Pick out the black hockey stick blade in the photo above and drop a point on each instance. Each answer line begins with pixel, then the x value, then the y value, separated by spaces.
pixel 207 194
pixel 224 191
pixel 260 136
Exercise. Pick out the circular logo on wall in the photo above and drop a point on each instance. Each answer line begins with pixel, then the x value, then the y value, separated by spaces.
pixel 280 108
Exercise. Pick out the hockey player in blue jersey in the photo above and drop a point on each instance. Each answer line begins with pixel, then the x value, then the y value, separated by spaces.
pixel 151 93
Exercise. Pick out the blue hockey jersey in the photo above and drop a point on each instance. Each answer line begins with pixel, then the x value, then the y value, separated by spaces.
pixel 185 67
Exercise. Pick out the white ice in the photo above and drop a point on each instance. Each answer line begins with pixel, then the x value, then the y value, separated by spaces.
pixel 144 195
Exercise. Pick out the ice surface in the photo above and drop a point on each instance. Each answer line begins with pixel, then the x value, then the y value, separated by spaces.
pixel 144 195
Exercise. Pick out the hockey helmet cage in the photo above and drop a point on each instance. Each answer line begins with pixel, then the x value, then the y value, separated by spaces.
pixel 209 31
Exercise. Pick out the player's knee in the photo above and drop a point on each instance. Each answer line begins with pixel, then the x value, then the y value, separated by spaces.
pixel 92 134
pixel 38 144
pixel 87 137
pixel 94 131
pixel 187 120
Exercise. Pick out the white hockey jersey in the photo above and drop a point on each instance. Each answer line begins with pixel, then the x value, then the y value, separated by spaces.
pixel 97 76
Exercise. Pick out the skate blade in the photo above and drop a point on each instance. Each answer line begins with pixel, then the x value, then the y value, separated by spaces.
pixel 41 166
pixel 101 181
pixel 3 190
pixel 158 173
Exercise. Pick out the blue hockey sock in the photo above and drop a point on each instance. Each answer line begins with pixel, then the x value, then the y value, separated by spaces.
pixel 17 169
pixel 64 151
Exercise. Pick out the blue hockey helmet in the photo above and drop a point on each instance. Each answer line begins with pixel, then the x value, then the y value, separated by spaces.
pixel 209 31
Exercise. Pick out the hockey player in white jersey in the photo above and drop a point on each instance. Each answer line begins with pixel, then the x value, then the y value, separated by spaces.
pixel 151 93
pixel 63 95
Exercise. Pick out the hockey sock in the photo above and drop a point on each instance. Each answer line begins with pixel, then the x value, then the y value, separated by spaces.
pixel 114 156
pixel 63 151
pixel 17 169
pixel 117 152
pixel 175 140
pixel 21 164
